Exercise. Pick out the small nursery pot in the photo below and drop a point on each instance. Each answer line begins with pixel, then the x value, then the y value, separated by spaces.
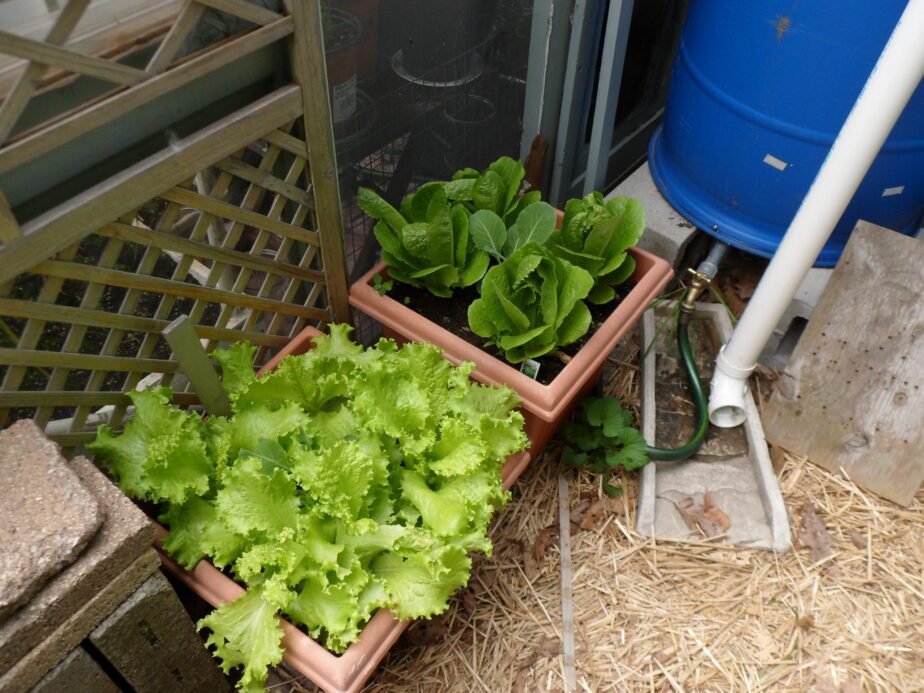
pixel 344 673
pixel 545 406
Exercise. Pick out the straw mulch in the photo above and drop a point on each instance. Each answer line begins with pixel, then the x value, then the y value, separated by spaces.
pixel 680 616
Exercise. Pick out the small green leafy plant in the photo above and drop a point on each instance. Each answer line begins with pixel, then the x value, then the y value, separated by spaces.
pixel 427 244
pixel 531 304
pixel 596 235
pixel 346 480
pixel 601 438
pixel 534 224
pixel 382 286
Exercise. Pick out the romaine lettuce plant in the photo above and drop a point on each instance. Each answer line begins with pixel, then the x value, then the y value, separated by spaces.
pixel 427 243
pixel 496 189
pixel 489 232
pixel 345 481
pixel 532 303
pixel 596 235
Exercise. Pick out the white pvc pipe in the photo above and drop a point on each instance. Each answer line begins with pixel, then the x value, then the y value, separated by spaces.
pixel 893 80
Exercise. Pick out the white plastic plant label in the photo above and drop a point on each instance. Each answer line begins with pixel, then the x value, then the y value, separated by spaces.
pixel 530 368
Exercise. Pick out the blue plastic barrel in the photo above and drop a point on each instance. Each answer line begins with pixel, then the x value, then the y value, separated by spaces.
pixel 758 94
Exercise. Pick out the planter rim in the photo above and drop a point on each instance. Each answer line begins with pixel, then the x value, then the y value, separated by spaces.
pixel 545 401
pixel 344 673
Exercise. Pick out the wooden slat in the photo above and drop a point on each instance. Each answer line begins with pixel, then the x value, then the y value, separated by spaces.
pixel 185 22
pixel 70 440
pixel 9 227
pixel 226 210
pixel 33 310
pixel 235 258
pixel 84 120
pixel 78 398
pixel 245 171
pixel 184 342
pixel 15 102
pixel 851 396
pixel 47 54
pixel 130 280
pixel 57 359
pixel 285 141
pixel 243 9
pixel 83 214
pixel 308 67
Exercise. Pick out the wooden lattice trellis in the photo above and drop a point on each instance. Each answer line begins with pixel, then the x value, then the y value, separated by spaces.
pixel 237 225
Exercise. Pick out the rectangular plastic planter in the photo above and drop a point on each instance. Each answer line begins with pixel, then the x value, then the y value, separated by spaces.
pixel 345 673
pixel 545 406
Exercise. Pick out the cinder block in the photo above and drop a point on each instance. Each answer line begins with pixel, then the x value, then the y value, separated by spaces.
pixel 153 644
pixel 667 233
pixel 787 332
pixel 47 517
pixel 125 534
pixel 29 669
pixel 77 673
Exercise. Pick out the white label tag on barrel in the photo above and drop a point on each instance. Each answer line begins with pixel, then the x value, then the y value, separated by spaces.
pixel 344 100
pixel 778 164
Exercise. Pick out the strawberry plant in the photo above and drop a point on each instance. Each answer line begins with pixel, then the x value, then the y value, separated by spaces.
pixel 600 437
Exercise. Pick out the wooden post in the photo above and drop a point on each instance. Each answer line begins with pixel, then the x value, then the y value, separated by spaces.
pixel 310 72
pixel 182 338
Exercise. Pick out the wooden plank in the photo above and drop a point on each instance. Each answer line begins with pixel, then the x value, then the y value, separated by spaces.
pixel 182 338
pixel 48 54
pixel 309 69
pixel 84 120
pixel 15 102
pixel 9 227
pixel 166 241
pixel 285 141
pixel 63 225
pixel 34 310
pixel 852 394
pixel 567 597
pixel 185 22
pixel 131 280
pixel 226 210
pixel 244 9
pixel 77 398
pixel 57 359
pixel 264 179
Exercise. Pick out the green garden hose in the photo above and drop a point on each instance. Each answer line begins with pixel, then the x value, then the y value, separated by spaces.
pixel 697 393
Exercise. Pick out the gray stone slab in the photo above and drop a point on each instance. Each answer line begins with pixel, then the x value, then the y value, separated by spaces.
pixel 667 232
pixel 46 654
pixel 76 673
pixel 46 515
pixel 124 535
pixel 787 332
pixel 153 644
pixel 733 465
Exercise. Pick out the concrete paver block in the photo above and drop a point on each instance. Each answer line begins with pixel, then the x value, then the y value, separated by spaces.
pixel 46 654
pixel 153 644
pixel 667 232
pixel 77 673
pixel 787 332
pixel 46 515
pixel 125 534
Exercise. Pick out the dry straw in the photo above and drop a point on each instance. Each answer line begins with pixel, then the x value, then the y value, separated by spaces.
pixel 661 616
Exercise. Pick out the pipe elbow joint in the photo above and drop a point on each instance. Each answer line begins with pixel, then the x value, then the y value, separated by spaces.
pixel 727 394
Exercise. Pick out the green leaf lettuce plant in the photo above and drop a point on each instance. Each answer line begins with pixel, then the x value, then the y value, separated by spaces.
pixel 345 481
pixel 596 236
pixel 496 189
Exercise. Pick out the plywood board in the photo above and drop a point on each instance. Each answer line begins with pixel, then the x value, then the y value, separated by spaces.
pixel 852 396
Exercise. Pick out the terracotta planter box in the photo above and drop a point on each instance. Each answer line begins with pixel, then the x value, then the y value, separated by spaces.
pixel 344 673
pixel 545 406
